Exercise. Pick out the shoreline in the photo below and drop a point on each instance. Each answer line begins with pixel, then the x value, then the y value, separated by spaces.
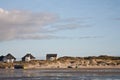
pixel 70 69
pixel 74 68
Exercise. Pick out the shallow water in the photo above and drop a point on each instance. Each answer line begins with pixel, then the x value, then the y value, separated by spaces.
pixel 60 74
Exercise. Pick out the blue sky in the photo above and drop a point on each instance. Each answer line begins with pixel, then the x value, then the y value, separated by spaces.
pixel 65 27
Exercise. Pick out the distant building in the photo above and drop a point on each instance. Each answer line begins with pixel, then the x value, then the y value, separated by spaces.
pixel 8 58
pixel 28 57
pixel 1 58
pixel 51 57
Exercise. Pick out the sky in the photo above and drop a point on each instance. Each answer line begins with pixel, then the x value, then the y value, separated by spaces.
pixel 66 27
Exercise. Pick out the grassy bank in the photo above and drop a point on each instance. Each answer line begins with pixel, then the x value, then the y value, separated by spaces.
pixel 66 62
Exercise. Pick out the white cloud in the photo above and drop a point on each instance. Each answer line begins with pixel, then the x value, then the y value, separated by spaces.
pixel 17 24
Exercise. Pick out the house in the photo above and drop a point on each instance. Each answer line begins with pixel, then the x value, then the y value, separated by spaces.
pixel 1 58
pixel 28 57
pixel 51 57
pixel 8 58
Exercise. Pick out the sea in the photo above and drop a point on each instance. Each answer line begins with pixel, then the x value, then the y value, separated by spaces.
pixel 60 74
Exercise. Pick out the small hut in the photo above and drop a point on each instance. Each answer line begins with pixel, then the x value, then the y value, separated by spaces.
pixel 9 58
pixel 28 57
pixel 51 57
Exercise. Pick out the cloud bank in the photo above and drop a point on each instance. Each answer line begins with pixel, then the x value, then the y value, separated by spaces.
pixel 17 24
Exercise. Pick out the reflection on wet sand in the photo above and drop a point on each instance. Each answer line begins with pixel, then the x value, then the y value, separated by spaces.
pixel 61 74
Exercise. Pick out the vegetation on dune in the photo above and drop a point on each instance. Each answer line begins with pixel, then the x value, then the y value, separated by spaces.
pixel 104 57
pixel 65 62
pixel 6 65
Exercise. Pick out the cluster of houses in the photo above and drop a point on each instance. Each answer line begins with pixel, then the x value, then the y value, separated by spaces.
pixel 28 57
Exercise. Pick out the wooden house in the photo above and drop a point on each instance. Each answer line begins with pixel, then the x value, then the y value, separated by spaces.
pixel 51 57
pixel 28 57
pixel 8 58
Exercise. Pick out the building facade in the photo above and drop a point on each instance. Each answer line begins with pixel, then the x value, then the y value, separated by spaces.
pixel 9 58
pixel 51 57
pixel 28 57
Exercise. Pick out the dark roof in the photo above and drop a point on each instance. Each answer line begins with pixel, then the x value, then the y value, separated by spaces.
pixel 28 55
pixel 51 55
pixel 9 56
pixel 1 57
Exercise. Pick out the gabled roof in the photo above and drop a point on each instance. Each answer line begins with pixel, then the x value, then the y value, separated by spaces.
pixel 9 56
pixel 51 55
pixel 28 55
